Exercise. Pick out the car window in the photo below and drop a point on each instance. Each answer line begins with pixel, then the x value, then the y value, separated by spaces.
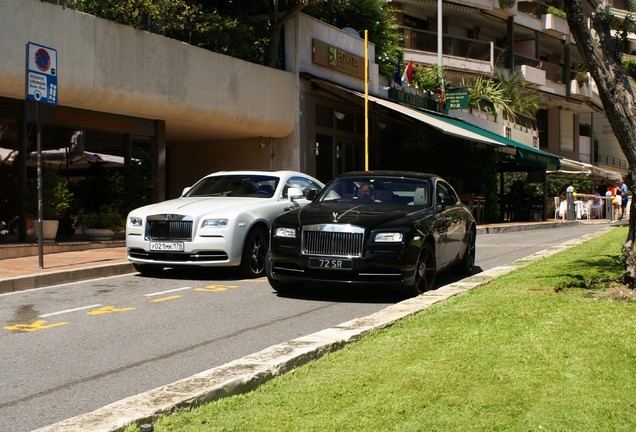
pixel 235 185
pixel 304 184
pixel 444 190
pixel 395 191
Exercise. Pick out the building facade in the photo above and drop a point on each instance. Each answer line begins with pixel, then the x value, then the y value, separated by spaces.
pixel 170 113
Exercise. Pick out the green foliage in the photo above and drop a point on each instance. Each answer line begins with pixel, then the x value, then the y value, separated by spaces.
pixel 523 99
pixel 427 78
pixel 238 28
pixel 57 196
pixel 555 185
pixel 556 11
pixel 105 217
pixel 487 95
pixel 376 16
pixel 224 27
pixel 629 66
pixel 506 3
pixel 510 95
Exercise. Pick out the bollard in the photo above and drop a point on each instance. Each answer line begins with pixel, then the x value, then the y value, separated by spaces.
pixel 609 208
pixel 571 208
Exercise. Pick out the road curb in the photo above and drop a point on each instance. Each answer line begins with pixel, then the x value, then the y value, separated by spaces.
pixel 22 283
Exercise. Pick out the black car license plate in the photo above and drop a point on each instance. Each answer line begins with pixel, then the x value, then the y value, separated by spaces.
pixel 331 263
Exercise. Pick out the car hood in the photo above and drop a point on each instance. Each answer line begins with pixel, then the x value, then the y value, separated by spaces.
pixel 365 215
pixel 202 205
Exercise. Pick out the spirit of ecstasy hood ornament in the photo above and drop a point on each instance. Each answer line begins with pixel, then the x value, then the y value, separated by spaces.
pixel 335 216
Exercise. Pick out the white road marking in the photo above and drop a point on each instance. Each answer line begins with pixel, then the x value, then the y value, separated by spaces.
pixel 167 292
pixel 69 310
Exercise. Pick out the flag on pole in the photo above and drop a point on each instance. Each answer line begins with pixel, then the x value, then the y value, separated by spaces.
pixel 397 77
pixel 407 76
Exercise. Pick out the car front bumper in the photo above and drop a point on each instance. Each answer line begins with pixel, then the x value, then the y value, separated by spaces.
pixel 371 270
pixel 204 252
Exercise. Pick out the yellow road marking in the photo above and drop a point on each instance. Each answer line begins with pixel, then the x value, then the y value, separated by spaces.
pixel 165 299
pixel 108 309
pixel 216 288
pixel 37 325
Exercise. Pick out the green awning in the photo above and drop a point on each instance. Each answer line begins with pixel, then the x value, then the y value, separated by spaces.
pixel 524 152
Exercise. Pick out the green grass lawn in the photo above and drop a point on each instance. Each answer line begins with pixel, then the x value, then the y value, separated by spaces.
pixel 535 350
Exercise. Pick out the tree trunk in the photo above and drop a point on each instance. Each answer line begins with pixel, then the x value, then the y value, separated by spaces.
pixel 617 98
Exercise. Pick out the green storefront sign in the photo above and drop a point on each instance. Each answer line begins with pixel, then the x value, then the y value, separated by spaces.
pixel 456 100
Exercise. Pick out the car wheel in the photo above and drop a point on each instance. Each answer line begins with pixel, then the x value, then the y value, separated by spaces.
pixel 255 253
pixel 467 263
pixel 148 269
pixel 425 271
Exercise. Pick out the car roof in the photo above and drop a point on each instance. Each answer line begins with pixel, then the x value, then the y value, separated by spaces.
pixel 389 173
pixel 280 173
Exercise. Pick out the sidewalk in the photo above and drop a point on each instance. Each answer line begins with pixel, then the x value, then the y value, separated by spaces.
pixel 93 261
pixel 96 260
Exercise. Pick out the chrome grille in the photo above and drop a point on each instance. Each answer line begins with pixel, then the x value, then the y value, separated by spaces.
pixel 333 240
pixel 169 227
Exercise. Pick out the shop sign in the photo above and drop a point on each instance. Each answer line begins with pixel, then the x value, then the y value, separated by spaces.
pixel 41 74
pixel 457 100
pixel 337 59
pixel 412 99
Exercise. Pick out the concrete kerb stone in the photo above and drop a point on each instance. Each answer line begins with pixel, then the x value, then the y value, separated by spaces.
pixel 249 372
pixel 21 283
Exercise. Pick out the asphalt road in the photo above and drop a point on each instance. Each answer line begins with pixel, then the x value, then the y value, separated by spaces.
pixel 70 349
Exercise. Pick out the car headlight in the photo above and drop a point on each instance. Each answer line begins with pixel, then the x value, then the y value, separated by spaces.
pixel 285 232
pixel 389 237
pixel 135 221
pixel 214 223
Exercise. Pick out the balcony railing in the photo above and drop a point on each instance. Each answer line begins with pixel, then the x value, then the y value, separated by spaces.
pixel 422 40
pixel 611 161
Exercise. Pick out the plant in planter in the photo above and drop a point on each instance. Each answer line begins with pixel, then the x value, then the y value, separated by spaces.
pixel 56 200
pixel 101 224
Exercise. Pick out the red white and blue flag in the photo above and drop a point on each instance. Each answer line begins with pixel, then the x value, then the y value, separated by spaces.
pixel 407 76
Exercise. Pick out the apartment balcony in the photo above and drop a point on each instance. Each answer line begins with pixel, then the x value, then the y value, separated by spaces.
pixel 532 74
pixel 555 25
pixel 544 75
pixel 585 90
pixel 461 54
pixel 500 126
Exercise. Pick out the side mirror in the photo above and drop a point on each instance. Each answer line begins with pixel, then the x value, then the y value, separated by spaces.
pixel 185 190
pixel 294 193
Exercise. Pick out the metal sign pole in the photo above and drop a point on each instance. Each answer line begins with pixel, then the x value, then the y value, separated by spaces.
pixel 38 121
pixel 40 87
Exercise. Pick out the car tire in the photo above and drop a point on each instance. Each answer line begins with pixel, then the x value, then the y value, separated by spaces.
pixel 467 264
pixel 148 269
pixel 425 271
pixel 255 253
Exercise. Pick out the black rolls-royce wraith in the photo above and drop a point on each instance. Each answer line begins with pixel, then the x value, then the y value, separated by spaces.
pixel 383 228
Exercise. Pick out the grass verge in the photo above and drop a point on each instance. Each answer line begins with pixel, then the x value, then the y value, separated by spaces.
pixel 539 349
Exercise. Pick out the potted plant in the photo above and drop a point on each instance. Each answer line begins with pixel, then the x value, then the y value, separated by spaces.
pixel 56 200
pixel 102 224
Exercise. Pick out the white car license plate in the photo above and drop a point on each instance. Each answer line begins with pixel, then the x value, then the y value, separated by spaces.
pixel 331 264
pixel 167 246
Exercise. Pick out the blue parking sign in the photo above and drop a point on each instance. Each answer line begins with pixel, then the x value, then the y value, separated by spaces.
pixel 41 74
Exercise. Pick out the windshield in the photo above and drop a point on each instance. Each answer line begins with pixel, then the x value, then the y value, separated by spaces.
pixel 235 185
pixel 378 190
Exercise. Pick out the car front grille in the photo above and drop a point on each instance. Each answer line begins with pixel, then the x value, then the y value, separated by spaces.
pixel 333 240
pixel 169 227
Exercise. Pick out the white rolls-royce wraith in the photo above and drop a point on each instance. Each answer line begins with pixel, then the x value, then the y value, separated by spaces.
pixel 223 220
